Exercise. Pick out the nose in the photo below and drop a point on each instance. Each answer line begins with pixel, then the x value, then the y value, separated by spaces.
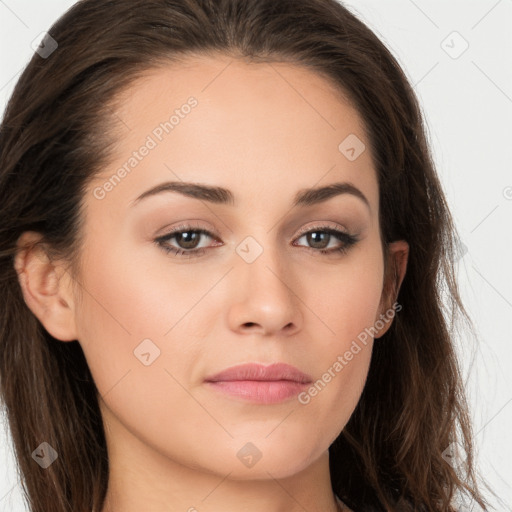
pixel 266 297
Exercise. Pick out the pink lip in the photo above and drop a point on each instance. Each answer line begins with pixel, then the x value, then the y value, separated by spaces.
pixel 259 383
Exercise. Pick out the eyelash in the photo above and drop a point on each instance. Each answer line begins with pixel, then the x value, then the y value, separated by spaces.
pixel 347 239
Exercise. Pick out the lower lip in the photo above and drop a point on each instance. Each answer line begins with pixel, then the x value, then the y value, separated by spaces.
pixel 263 392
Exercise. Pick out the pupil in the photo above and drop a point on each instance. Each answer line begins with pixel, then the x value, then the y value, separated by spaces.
pixel 315 238
pixel 188 244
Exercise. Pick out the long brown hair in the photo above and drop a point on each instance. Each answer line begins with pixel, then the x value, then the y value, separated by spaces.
pixel 56 134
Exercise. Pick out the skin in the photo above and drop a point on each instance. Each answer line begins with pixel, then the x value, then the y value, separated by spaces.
pixel 264 132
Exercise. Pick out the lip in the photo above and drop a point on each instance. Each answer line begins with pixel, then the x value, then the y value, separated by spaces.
pixel 259 383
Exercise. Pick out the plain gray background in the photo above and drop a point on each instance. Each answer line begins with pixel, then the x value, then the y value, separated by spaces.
pixel 466 95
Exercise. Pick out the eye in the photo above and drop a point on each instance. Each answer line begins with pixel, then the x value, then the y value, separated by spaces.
pixel 188 240
pixel 321 236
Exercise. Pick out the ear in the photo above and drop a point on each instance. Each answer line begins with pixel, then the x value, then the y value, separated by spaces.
pixel 397 257
pixel 46 286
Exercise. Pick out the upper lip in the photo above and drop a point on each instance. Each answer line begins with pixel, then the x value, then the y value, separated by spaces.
pixel 256 371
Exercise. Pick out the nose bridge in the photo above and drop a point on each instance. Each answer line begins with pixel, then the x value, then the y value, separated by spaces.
pixel 265 293
pixel 262 260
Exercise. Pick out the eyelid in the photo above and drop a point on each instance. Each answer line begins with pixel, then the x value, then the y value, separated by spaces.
pixel 320 225
pixel 192 225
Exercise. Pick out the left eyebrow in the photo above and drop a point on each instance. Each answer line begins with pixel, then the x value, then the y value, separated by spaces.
pixel 219 195
pixel 312 196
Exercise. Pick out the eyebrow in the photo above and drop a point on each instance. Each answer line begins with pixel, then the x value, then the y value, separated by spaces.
pixel 220 195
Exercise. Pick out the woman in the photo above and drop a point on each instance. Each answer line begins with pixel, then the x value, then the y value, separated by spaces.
pixel 223 250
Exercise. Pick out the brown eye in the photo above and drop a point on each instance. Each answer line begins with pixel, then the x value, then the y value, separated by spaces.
pixel 318 239
pixel 188 239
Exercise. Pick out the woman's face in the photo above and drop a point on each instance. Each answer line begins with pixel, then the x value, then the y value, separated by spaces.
pixel 154 325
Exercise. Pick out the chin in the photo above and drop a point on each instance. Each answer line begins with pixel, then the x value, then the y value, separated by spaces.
pixel 273 462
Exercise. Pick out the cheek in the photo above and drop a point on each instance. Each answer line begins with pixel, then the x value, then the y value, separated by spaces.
pixel 120 310
pixel 347 301
pixel 137 310
pixel 346 297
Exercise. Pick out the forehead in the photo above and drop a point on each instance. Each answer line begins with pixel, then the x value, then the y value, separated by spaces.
pixel 231 89
pixel 259 128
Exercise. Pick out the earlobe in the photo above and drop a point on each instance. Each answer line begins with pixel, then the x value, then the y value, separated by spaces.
pixel 45 287
pixel 397 257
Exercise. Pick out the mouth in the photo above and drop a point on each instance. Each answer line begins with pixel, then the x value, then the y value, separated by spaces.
pixel 260 384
